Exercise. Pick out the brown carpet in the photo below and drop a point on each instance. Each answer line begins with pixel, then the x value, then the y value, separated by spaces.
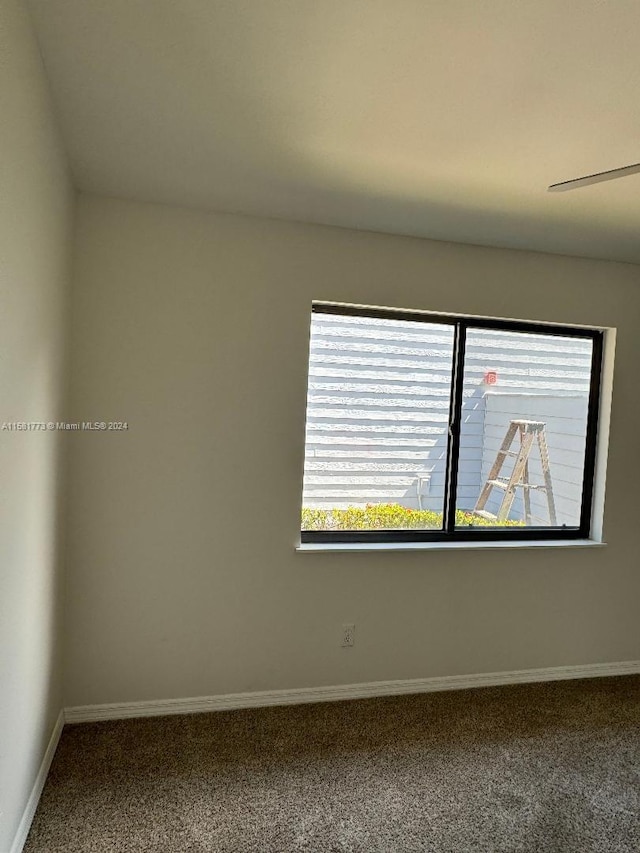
pixel 544 768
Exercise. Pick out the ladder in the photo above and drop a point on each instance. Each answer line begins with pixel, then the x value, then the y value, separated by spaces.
pixel 528 431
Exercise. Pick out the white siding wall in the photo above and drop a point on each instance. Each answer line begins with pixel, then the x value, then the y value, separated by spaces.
pixel 377 412
pixel 378 402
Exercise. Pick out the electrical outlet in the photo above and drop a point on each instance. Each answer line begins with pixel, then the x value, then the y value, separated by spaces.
pixel 348 635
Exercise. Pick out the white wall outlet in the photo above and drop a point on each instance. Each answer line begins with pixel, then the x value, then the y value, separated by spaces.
pixel 348 635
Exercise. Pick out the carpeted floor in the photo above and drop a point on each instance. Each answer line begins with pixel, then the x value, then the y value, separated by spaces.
pixel 552 768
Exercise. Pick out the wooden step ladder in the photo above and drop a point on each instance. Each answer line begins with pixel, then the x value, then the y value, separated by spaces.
pixel 529 431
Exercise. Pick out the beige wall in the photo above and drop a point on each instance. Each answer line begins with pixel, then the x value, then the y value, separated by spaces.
pixel 35 232
pixel 184 580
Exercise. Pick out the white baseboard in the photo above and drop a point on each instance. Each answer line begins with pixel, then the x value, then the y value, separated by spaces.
pixel 38 785
pixel 265 698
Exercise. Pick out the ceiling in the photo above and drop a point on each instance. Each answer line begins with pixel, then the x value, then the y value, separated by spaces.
pixel 436 118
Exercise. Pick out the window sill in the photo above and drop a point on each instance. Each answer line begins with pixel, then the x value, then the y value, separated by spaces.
pixel 496 545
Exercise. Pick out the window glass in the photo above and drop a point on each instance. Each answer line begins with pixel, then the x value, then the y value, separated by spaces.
pixel 523 428
pixel 377 423
pixel 423 426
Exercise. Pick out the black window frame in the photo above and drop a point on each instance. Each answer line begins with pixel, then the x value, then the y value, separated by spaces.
pixel 449 532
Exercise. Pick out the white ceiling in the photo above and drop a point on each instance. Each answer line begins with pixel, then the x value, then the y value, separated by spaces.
pixel 438 118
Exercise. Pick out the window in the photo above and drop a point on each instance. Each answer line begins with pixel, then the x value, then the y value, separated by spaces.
pixel 430 427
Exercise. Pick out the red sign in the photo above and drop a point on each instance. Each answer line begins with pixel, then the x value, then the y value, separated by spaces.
pixel 491 377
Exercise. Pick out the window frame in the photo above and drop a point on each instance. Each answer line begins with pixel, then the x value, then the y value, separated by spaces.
pixel 449 533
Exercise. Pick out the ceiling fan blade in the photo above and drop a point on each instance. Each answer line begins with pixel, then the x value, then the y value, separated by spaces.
pixel 587 180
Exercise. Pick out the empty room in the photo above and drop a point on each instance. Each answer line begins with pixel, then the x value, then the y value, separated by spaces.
pixel 319 426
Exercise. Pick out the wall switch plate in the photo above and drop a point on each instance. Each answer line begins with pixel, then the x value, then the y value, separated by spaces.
pixel 348 635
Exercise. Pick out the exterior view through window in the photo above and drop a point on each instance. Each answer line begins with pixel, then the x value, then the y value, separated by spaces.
pixel 421 426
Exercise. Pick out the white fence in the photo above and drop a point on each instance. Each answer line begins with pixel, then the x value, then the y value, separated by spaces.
pixel 377 410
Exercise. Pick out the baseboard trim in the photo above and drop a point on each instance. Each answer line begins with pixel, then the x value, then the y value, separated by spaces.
pixel 266 698
pixel 34 797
